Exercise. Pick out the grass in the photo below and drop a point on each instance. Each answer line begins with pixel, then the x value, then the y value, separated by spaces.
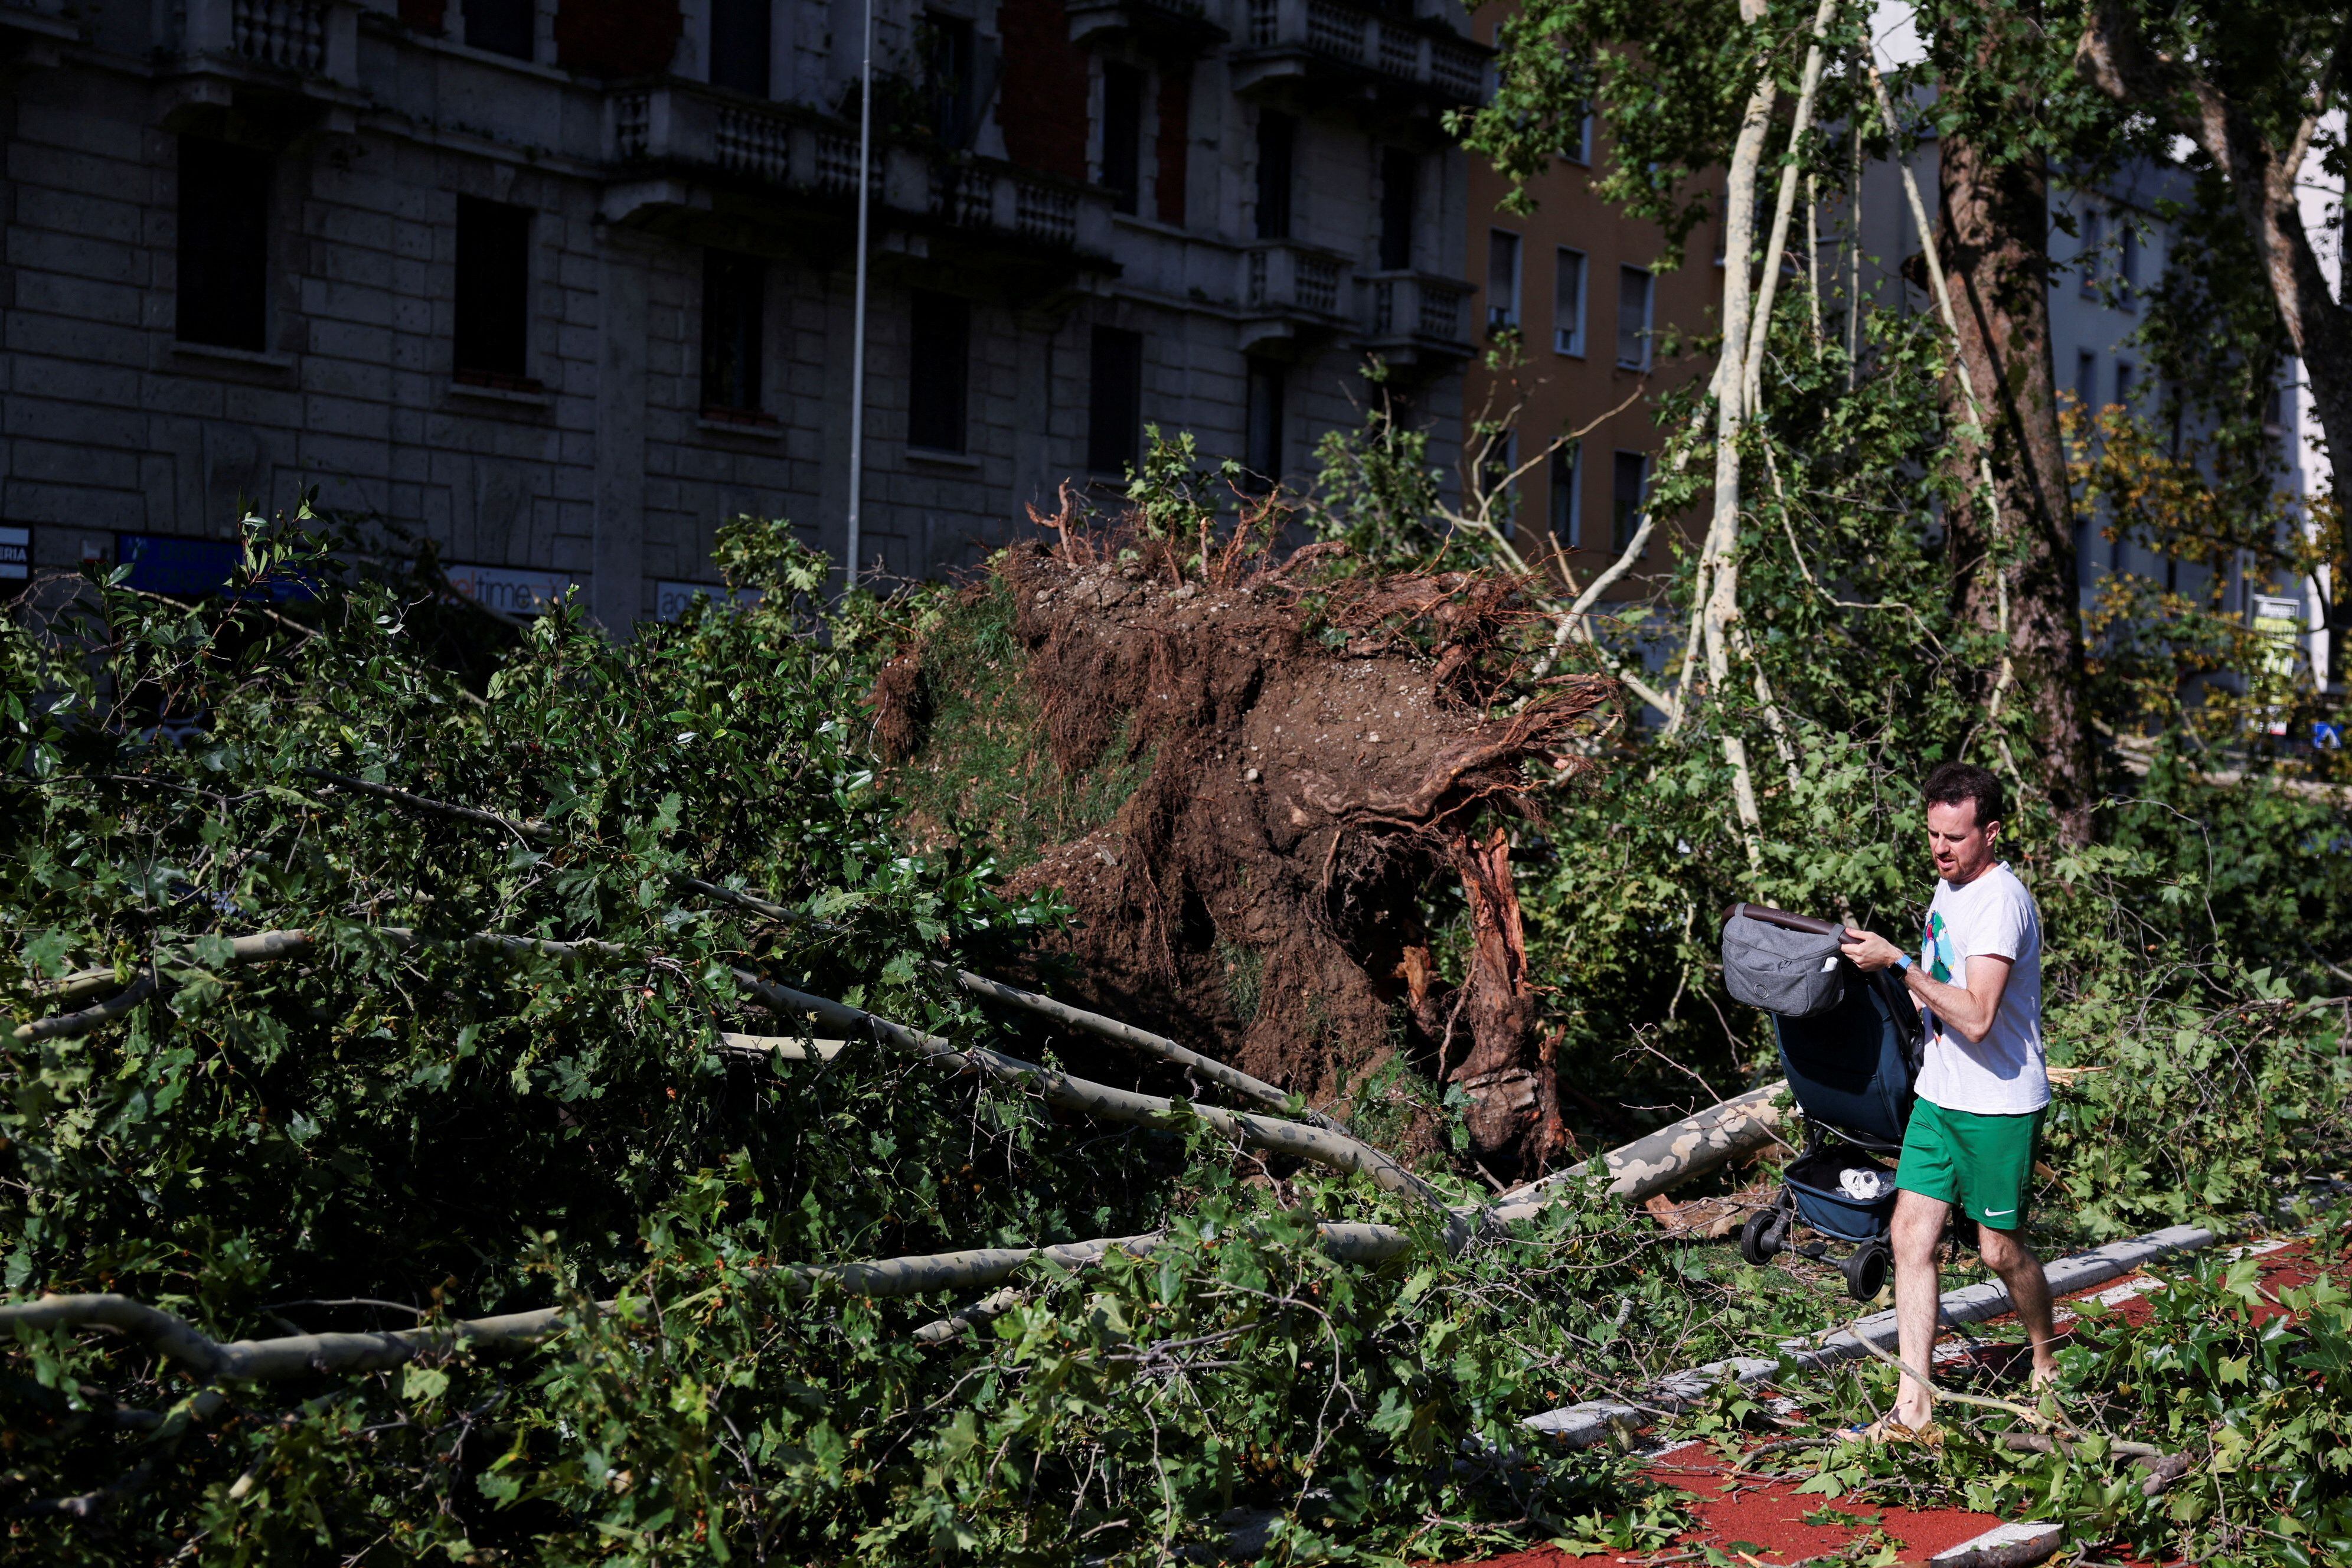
pixel 984 772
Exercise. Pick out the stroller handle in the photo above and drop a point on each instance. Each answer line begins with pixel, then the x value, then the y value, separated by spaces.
pixel 1783 918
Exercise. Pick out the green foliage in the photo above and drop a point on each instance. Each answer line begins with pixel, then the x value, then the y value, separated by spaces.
pixel 983 777
pixel 2249 1387
pixel 1375 491
pixel 396 1129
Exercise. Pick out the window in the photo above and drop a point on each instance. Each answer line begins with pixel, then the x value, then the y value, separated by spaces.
pixel 1502 280
pixel 1268 385
pixel 2127 268
pixel 503 27
pixel 2123 385
pixel 1399 180
pixel 939 343
pixel 1175 133
pixel 1502 461
pixel 1629 487
pixel 1115 400
pixel 1276 135
pixel 1634 287
pixel 733 295
pixel 1567 302
pixel 493 293
pixel 1122 135
pixel 223 245
pixel 1567 513
pixel 947 76
pixel 1578 146
pixel 2094 237
pixel 741 44
pixel 2087 382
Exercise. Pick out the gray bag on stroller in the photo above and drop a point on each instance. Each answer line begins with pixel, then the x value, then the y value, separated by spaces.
pixel 1781 963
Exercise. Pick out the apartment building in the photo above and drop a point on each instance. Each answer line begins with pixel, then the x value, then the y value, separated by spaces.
pixel 1594 304
pixel 560 285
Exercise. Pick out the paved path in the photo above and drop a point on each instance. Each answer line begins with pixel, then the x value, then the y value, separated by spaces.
pixel 1765 1520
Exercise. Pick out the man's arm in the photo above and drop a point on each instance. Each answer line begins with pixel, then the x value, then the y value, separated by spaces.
pixel 1968 1010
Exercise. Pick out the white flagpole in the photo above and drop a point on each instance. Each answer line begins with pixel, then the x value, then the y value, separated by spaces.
pixel 857 343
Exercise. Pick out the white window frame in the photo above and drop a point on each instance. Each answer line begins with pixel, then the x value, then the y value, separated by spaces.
pixel 1572 535
pixel 1499 317
pixel 1649 314
pixel 1569 339
pixel 1641 503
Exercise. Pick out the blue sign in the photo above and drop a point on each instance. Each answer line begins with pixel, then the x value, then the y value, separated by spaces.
pixel 191 568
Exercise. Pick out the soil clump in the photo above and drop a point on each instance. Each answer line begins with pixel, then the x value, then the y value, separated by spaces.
pixel 1317 757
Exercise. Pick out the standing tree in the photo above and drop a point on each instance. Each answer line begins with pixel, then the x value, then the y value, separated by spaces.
pixel 2004 114
pixel 2252 84
pixel 1680 87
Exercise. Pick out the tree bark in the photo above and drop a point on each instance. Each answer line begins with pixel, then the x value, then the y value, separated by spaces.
pixel 1514 1117
pixel 1994 219
pixel 2114 54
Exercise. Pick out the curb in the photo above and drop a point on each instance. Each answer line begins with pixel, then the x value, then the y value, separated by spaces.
pixel 1584 1425
pixel 2002 1546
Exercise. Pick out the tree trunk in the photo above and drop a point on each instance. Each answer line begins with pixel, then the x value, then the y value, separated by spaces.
pixel 2263 179
pixel 1514 1118
pixel 1995 223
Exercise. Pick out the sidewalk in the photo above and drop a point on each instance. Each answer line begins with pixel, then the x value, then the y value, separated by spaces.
pixel 1756 1519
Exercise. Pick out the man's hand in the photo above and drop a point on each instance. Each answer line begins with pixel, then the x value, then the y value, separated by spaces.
pixel 1967 1010
pixel 1867 949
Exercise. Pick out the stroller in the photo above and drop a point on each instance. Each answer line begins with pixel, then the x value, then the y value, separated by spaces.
pixel 1851 1043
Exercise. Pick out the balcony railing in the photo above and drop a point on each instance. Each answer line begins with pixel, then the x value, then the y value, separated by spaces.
pixel 317 39
pixel 1414 311
pixel 1449 71
pixel 664 128
pixel 1283 279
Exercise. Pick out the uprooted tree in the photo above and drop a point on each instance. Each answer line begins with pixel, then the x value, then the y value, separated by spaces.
pixel 1312 755
pixel 511 1121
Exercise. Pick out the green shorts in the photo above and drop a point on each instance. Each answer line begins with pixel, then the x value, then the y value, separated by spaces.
pixel 1983 1164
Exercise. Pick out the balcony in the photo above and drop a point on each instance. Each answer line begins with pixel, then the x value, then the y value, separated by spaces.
pixel 310 45
pixel 1170 29
pixel 1291 290
pixel 1414 318
pixel 670 146
pixel 1329 46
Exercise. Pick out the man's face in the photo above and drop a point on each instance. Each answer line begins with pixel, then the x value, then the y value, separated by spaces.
pixel 1962 848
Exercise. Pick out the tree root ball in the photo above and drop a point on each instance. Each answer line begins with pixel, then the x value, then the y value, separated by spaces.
pixel 1315 761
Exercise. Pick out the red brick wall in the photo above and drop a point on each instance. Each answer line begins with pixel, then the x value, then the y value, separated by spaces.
pixel 615 37
pixel 1175 140
pixel 425 16
pixel 1041 102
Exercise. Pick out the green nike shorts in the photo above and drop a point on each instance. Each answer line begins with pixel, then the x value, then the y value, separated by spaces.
pixel 1983 1164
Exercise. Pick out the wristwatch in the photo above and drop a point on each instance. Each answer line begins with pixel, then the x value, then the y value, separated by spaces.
pixel 1903 962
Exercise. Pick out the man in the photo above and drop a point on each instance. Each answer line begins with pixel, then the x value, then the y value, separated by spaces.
pixel 1982 1088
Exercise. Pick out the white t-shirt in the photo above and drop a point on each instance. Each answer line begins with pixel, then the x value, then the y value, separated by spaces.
pixel 2002 1074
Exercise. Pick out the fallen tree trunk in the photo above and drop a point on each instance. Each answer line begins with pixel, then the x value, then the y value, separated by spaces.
pixel 1651 1165
pixel 1317 1145
pixel 1334 1150
pixel 1645 1165
pixel 988 990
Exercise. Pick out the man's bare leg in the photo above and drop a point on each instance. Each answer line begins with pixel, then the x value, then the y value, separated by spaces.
pixel 1917 1233
pixel 2029 1292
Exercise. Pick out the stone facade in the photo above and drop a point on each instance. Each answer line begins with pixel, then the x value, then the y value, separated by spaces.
pixel 451 266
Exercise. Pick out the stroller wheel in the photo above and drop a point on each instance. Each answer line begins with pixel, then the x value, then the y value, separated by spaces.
pixel 1865 1271
pixel 1758 1238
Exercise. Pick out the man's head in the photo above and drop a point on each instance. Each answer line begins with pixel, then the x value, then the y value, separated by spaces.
pixel 1965 807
